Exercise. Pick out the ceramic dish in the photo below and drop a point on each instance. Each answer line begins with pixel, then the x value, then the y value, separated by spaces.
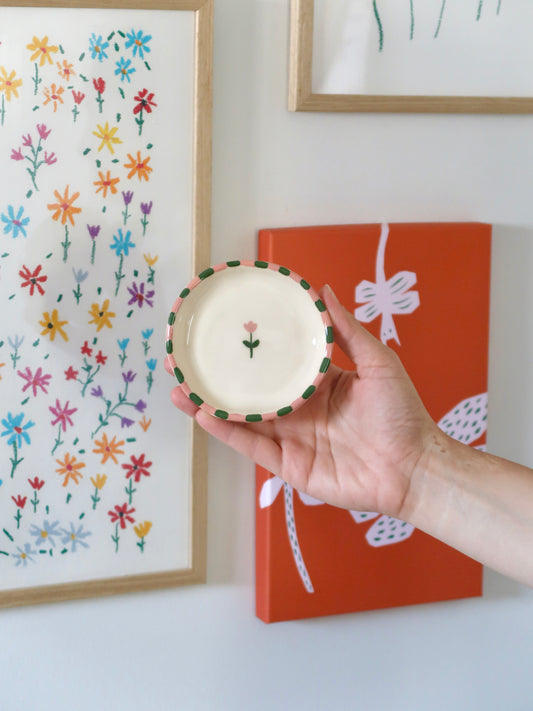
pixel 249 341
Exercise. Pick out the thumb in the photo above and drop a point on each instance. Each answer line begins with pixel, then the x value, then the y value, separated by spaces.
pixel 353 338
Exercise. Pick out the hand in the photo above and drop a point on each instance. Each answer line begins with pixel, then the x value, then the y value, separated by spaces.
pixel 356 442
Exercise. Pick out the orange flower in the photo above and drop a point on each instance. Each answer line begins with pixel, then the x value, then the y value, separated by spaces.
pixel 150 260
pixel 106 183
pixel 69 468
pixel 42 50
pixel 144 423
pixel 108 449
pixel 66 70
pixel 53 93
pixel 63 206
pixel 138 166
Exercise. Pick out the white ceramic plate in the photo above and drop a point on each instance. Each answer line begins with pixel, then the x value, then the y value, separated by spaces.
pixel 249 341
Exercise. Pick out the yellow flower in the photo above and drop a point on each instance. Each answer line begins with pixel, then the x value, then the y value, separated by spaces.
pixel 69 469
pixel 41 50
pixel 100 481
pixel 51 325
pixel 8 84
pixel 138 167
pixel 53 94
pixel 64 207
pixel 143 529
pixel 107 135
pixel 150 260
pixel 101 316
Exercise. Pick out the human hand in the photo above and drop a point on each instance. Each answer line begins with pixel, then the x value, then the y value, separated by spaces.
pixel 356 442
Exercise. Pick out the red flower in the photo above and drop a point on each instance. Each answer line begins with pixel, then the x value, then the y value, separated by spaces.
pixel 32 279
pixel 36 483
pixel 145 102
pixel 86 350
pixel 101 358
pixel 137 468
pixel 99 85
pixel 78 96
pixel 20 501
pixel 71 374
pixel 122 514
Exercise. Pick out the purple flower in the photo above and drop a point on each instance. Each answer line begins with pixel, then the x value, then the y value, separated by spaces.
pixel 126 422
pixel 146 207
pixel 127 196
pixel 97 392
pixel 129 377
pixel 93 230
pixel 26 140
pixel 43 132
pixel 16 154
pixel 140 406
pixel 139 297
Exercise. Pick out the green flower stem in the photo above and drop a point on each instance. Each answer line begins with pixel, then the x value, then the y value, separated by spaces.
pixel 77 293
pixel 15 357
pixel 144 223
pixel 122 357
pixel 18 517
pixel 15 461
pixel 380 26
pixel 75 112
pixel 35 163
pixel 141 544
pixel 36 80
pixel 116 538
pixel 90 376
pixel 111 410
pixel 125 214
pixel 93 250
pixel 58 441
pixel 151 276
pixel 146 347
pixel 34 501
pixel 140 121
pixel 130 491
pixel 66 244
pixel 119 275
pixel 100 102
pixel 95 498
pixel 442 8
pixel 150 380
pixel 479 9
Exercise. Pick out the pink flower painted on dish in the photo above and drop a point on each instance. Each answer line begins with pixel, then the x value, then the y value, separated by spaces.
pixel 35 380
pixel 250 327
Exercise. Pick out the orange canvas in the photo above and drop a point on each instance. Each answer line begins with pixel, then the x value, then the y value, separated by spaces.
pixel 423 289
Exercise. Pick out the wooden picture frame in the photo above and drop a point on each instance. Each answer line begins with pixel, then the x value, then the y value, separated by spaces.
pixel 303 98
pixel 194 570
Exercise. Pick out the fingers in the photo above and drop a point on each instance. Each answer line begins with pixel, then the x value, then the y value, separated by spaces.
pixel 353 338
pixel 245 439
pixel 182 402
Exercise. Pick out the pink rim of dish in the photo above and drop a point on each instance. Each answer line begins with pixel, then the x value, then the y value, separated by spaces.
pixel 250 417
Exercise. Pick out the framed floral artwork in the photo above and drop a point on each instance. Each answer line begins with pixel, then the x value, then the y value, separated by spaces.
pixel 105 138
pixel 434 56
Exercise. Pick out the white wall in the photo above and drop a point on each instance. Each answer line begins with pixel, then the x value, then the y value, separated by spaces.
pixel 202 648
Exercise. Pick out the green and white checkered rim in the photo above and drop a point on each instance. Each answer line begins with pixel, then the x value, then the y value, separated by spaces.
pixel 250 416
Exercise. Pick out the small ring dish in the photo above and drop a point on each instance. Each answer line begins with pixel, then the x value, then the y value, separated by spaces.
pixel 249 341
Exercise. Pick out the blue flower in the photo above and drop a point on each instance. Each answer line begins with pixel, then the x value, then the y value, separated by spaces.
pixel 146 334
pixel 151 364
pixel 15 430
pixel 122 243
pixel 75 537
pixel 16 342
pixel 45 533
pixel 23 556
pixel 139 42
pixel 97 47
pixel 15 224
pixel 124 68
pixel 79 275
pixel 123 344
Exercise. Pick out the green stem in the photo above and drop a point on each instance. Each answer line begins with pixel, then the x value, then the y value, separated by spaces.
pixel 66 244
pixel 58 441
pixel 479 9
pixel 141 544
pixel 119 275
pixel 93 250
pixel 36 80
pixel 442 7
pixel 411 35
pixel 130 491
pixel 34 502
pixel 380 26
pixel 116 538
pixel 95 498
pixel 15 461
pixel 18 517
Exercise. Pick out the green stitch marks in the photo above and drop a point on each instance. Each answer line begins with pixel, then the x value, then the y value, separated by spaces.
pixel 179 375
pixel 233 263
pixel 170 347
pixel 305 285
pixel 310 390
pixel 253 418
pixel 221 414
pixel 261 265
pixel 185 293
pixel 196 399
pixel 329 334
pixel 284 271
pixel 206 273
pixel 320 305
pixel 171 318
